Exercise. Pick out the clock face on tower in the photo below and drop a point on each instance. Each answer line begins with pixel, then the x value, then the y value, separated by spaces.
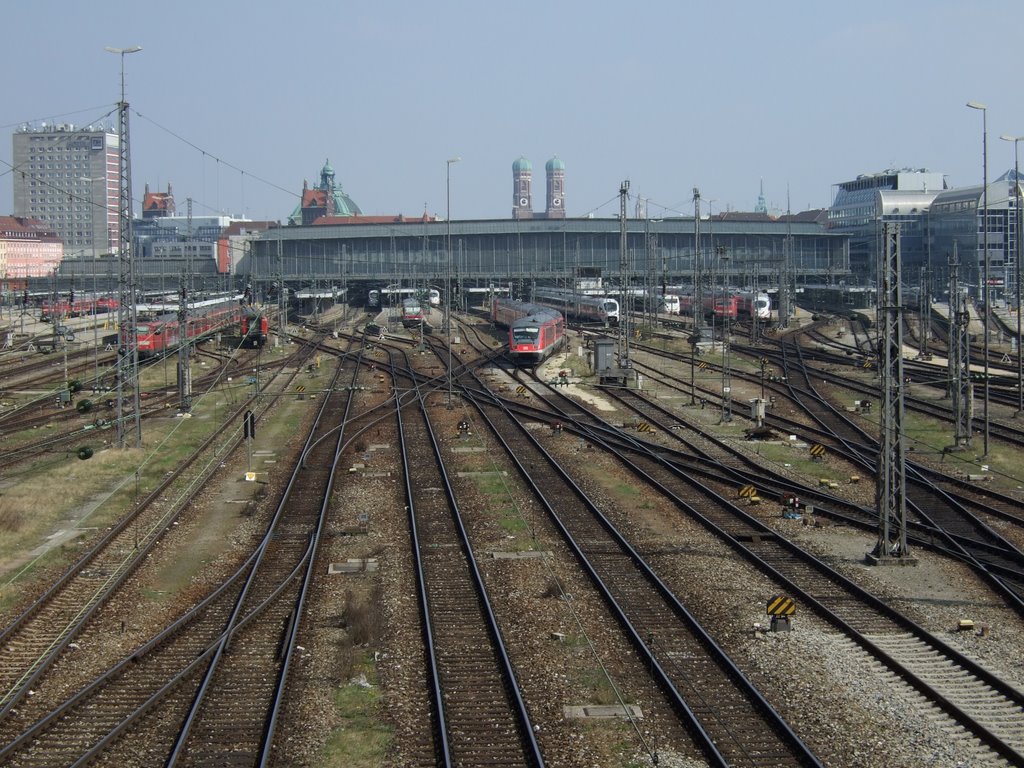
pixel 557 201
pixel 523 201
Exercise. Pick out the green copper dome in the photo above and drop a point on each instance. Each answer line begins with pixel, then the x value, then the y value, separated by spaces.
pixel 522 164
pixel 554 164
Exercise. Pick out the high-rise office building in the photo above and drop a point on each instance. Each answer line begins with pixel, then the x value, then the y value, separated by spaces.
pixel 68 176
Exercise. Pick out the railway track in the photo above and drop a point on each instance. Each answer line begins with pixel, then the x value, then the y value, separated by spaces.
pixel 948 511
pixel 479 714
pixel 90 722
pixel 974 697
pixel 723 710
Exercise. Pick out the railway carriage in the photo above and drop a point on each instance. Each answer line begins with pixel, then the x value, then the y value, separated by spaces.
pixel 161 333
pixel 751 304
pixel 711 306
pixel 579 306
pixel 57 309
pixel 535 332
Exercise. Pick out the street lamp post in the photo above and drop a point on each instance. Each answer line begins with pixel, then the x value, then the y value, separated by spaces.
pixel 1017 257
pixel 984 278
pixel 448 268
pixel 128 352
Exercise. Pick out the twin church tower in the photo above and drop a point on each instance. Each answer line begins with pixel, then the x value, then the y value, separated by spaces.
pixel 522 190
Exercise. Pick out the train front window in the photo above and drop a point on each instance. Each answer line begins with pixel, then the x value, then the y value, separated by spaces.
pixel 525 335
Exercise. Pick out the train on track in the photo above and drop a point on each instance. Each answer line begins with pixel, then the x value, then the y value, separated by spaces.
pixel 52 309
pixel 412 313
pixel 378 297
pixel 579 306
pixel 254 328
pixel 742 305
pixel 535 331
pixel 159 333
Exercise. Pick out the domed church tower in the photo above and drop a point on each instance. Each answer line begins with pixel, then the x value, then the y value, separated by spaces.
pixel 555 170
pixel 522 200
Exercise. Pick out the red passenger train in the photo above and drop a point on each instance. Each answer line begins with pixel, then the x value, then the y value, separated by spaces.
pixel 534 331
pixel 60 308
pixel 164 333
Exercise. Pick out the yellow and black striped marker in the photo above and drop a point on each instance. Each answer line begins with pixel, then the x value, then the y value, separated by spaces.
pixel 781 605
pixel 817 450
pixel 748 491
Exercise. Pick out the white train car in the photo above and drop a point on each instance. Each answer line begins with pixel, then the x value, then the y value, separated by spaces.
pixel 599 309
pixel 752 304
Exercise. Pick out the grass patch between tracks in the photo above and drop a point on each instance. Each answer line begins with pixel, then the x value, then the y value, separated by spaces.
pixel 361 740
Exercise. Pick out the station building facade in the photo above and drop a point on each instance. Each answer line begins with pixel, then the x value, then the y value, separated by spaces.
pixel 725 251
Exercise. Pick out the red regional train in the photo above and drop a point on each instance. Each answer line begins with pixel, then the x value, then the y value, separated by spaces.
pixel 55 310
pixel 164 333
pixel 534 331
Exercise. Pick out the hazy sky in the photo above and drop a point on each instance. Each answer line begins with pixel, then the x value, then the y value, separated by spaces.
pixel 236 103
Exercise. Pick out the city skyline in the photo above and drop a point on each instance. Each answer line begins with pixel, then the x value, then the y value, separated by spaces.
pixel 667 97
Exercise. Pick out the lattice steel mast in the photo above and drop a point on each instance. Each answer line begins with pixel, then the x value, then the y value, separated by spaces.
pixel 698 277
pixel 890 493
pixel 625 307
pixel 961 389
pixel 184 351
pixel 924 319
pixel 127 309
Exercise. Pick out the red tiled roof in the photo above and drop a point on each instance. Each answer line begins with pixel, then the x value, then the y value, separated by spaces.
pixel 10 225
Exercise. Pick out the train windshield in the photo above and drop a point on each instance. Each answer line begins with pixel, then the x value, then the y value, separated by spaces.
pixel 525 334
pixel 611 307
pixel 142 329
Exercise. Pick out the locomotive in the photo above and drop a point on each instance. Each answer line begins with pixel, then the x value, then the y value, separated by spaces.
pixel 742 304
pixel 254 328
pixel 711 306
pixel 534 331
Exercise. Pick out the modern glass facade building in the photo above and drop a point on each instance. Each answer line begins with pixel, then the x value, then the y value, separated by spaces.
pixel 957 222
pixel 861 208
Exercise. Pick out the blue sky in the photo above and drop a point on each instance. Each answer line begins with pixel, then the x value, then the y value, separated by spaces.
pixel 667 94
